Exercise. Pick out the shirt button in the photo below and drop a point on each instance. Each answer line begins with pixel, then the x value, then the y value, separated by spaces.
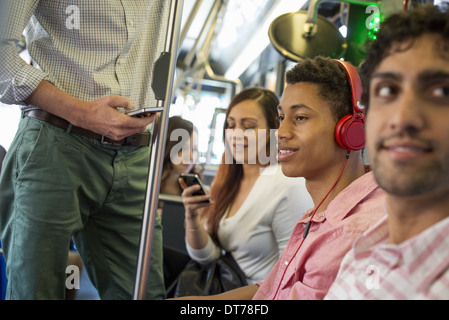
pixel 286 263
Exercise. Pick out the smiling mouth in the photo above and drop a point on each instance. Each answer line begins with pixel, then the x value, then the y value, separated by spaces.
pixel 405 149
pixel 284 153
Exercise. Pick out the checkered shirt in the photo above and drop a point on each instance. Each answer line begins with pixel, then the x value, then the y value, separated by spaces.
pixel 87 48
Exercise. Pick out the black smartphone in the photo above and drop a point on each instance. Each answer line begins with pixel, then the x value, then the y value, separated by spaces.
pixel 191 179
pixel 144 112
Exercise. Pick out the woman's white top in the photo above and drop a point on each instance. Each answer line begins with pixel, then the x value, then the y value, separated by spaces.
pixel 261 228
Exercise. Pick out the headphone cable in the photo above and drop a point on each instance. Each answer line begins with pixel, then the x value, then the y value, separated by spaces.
pixel 309 223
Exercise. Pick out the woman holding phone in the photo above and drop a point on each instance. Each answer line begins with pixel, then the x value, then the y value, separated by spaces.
pixel 253 207
pixel 181 154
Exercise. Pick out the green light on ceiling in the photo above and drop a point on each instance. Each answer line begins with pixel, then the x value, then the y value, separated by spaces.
pixel 373 25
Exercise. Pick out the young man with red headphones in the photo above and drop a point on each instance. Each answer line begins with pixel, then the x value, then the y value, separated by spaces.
pixel 320 138
pixel 405 255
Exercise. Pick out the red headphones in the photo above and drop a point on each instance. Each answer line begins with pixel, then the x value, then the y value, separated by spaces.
pixel 350 132
pixel 350 135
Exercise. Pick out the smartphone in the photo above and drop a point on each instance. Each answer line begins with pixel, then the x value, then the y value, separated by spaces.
pixel 191 179
pixel 144 112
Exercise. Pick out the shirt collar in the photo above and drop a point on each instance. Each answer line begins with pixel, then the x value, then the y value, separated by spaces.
pixel 377 234
pixel 341 206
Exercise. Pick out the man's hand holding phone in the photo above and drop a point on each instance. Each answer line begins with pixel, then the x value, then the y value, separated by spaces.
pixel 144 112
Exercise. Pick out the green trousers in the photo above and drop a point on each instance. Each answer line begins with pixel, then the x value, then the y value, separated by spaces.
pixel 56 186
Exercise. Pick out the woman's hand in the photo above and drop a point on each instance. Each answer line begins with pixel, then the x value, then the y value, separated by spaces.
pixel 197 237
pixel 192 203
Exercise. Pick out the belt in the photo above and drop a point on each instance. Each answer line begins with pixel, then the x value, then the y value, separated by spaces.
pixel 138 139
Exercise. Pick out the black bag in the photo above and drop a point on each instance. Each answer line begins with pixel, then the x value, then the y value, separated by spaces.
pixel 196 279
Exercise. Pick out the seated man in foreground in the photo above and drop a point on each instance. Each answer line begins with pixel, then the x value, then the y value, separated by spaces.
pixel 406 74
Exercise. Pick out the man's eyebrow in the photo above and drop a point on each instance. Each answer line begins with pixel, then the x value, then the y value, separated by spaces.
pixel 295 106
pixel 433 75
pixel 387 75
pixel 425 76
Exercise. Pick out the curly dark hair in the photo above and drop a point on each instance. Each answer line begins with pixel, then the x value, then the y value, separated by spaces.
pixel 403 29
pixel 332 79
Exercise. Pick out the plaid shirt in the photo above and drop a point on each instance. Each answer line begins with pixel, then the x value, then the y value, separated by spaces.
pixel 415 269
pixel 87 48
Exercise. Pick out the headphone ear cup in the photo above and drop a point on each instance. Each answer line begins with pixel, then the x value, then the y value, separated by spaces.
pixel 350 133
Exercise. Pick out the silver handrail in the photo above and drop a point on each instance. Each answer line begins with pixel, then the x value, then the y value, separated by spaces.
pixel 167 64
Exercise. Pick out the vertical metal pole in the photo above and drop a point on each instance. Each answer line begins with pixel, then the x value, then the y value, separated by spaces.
pixel 165 65
pixel 189 21
pixel 185 64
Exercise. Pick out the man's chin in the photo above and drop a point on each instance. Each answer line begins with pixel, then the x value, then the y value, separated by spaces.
pixel 290 171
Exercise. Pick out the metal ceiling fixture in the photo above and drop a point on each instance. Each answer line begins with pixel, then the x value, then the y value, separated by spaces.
pixel 306 34
pixel 196 64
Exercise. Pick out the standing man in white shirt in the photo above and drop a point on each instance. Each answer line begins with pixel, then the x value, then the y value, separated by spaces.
pixel 78 166
pixel 406 81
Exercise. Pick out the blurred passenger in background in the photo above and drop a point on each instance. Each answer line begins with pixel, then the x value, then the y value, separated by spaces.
pixel 181 154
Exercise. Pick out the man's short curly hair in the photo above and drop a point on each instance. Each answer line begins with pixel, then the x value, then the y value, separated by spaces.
pixel 332 80
pixel 403 29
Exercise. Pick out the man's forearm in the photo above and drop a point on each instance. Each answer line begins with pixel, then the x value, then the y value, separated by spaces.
pixel 100 116
pixel 50 98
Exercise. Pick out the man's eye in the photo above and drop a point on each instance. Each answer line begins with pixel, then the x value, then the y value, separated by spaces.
pixel 385 91
pixel 441 92
pixel 280 118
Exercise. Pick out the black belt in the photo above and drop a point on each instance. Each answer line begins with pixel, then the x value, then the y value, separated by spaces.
pixel 138 139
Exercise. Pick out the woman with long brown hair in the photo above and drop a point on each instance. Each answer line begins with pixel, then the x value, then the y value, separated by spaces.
pixel 253 207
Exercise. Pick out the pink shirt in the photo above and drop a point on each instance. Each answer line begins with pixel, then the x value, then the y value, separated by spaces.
pixel 415 269
pixel 313 269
